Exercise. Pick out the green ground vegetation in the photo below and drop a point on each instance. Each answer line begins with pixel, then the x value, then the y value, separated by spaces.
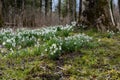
pixel 100 61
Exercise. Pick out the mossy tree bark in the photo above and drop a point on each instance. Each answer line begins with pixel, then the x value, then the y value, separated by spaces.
pixel 98 14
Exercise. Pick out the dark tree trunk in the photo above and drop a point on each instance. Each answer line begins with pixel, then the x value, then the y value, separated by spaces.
pixel 46 7
pixel 1 20
pixel 67 8
pixel 71 10
pixel 0 8
pixel 98 13
pixel 50 7
pixel 40 6
pixel 119 5
pixel 80 10
pixel 59 11
pixel 74 10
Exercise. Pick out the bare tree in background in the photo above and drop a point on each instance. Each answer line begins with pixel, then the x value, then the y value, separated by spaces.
pixel 71 10
pixel 41 6
pixel 74 10
pixel 50 2
pixel 59 10
pixel 46 7
pixel 80 10
pixel 0 7
pixel 1 21
pixel 97 13
pixel 119 5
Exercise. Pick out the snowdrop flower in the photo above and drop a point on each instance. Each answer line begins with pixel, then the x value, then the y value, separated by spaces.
pixel 8 40
pixel 60 48
pixel 74 43
pixel 51 53
pixel 54 45
pixel 99 40
pixel 108 31
pixel 11 50
pixel 61 43
pixel 74 23
pixel 19 47
pixel 4 43
pixel 56 48
pixel 54 51
pixel 46 50
pixel 42 54
pixel 13 44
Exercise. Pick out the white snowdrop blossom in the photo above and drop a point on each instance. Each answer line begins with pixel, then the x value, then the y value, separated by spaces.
pixel 4 43
pixel 8 40
pixel 46 50
pixel 74 23
pixel 99 40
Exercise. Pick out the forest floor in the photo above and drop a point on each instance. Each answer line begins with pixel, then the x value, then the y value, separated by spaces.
pixel 98 63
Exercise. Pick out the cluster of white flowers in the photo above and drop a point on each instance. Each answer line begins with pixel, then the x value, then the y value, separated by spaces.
pixel 74 23
pixel 23 37
pixel 67 44
pixel 110 33
pixel 13 39
pixel 79 37
pixel 49 37
pixel 67 27
pixel 54 48
pixel 75 42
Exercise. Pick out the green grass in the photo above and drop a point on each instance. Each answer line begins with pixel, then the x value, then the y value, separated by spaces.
pixel 101 62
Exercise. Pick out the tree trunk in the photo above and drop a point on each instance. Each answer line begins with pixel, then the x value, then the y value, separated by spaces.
pixel 71 10
pixel 59 11
pixel 1 21
pixel 50 8
pixel 40 6
pixel 74 10
pixel 111 12
pixel 98 13
pixel 116 12
pixel 119 5
pixel 0 8
pixel 46 7
pixel 67 10
pixel 80 10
